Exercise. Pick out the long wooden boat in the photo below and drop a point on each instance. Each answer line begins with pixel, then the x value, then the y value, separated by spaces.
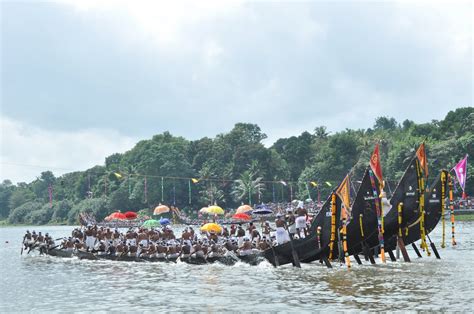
pixel 362 228
pixel 59 252
pixel 434 201
pixel 406 195
pixel 317 244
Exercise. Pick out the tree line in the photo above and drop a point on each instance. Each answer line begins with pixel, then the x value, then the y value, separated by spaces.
pixel 234 168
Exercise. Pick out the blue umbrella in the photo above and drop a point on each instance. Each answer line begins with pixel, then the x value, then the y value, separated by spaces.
pixel 164 221
pixel 262 210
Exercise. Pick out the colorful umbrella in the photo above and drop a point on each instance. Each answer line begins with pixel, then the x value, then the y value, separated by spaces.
pixel 116 216
pixel 243 209
pixel 161 209
pixel 211 227
pixel 203 210
pixel 214 209
pixel 165 221
pixel 131 215
pixel 151 223
pixel 262 210
pixel 241 216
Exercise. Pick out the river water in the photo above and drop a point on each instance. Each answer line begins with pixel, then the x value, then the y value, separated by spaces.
pixel 45 284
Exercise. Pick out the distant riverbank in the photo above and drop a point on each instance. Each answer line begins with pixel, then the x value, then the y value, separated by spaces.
pixel 464 217
pixel 4 223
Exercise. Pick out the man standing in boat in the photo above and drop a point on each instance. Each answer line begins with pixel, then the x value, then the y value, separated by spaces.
pixel 89 238
pixel 301 220
pixel 281 233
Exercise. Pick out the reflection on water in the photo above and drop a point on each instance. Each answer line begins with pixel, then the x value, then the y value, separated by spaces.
pixel 36 283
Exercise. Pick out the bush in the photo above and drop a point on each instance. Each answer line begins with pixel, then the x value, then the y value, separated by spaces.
pixel 21 213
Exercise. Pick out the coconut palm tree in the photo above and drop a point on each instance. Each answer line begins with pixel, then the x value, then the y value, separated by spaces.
pixel 247 186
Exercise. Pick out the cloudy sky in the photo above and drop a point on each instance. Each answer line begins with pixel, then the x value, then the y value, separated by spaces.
pixel 81 80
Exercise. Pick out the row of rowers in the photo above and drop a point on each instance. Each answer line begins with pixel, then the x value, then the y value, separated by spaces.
pixel 161 243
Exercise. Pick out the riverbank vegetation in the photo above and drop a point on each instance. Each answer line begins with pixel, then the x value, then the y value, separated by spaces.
pixel 235 167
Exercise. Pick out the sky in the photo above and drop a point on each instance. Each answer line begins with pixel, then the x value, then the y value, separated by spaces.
pixel 81 80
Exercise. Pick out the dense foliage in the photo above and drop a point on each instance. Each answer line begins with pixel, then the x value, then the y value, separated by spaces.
pixel 236 167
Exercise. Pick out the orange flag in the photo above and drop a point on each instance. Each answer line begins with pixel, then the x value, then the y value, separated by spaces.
pixel 375 164
pixel 344 192
pixel 421 154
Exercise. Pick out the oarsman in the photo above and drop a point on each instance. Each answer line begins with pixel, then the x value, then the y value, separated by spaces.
pixel 89 238
pixel 133 249
pixel 108 237
pixel 231 245
pixel 121 249
pixel 117 237
pixel 150 233
pixel 101 247
pixel 193 235
pixel 40 237
pixel 214 250
pixel 170 232
pixel 78 245
pixel 281 234
pixel 240 235
pixel 250 228
pixel 291 223
pixel 205 247
pixel 246 248
pixel 301 213
pixel 100 234
pixel 27 239
pixel 131 237
pixel 186 236
pixel 266 229
pixel 225 232
pixel 213 236
pixel 48 240
pixel 161 249
pixel 142 238
pixel 151 251
pixel 34 235
pixel 186 250
pixel 255 236
pixel 155 237
pixel 69 244
pixel 264 244
pixel 111 250
pixel 197 249
pixel 173 252
pixel 233 230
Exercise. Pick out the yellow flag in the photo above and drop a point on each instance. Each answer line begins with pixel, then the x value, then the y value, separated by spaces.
pixel 118 175
pixel 194 180
pixel 314 183
pixel 344 193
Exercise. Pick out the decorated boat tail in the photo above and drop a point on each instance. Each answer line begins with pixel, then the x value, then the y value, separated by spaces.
pixel 434 202
pixel 320 243
pixel 403 209
pixel 362 227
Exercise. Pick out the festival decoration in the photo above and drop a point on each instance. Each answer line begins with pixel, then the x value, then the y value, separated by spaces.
pixel 461 174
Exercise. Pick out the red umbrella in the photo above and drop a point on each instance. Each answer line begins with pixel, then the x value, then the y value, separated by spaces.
pixel 241 216
pixel 116 216
pixel 131 215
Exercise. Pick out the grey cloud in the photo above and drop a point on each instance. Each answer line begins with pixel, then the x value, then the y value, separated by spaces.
pixel 287 67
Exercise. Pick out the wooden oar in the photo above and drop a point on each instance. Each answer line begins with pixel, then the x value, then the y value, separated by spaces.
pixel 275 257
pixel 433 247
pixel 403 249
pixel 296 259
pixel 357 258
pixel 413 245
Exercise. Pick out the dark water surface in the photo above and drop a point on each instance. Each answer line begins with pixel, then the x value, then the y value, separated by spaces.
pixel 44 284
